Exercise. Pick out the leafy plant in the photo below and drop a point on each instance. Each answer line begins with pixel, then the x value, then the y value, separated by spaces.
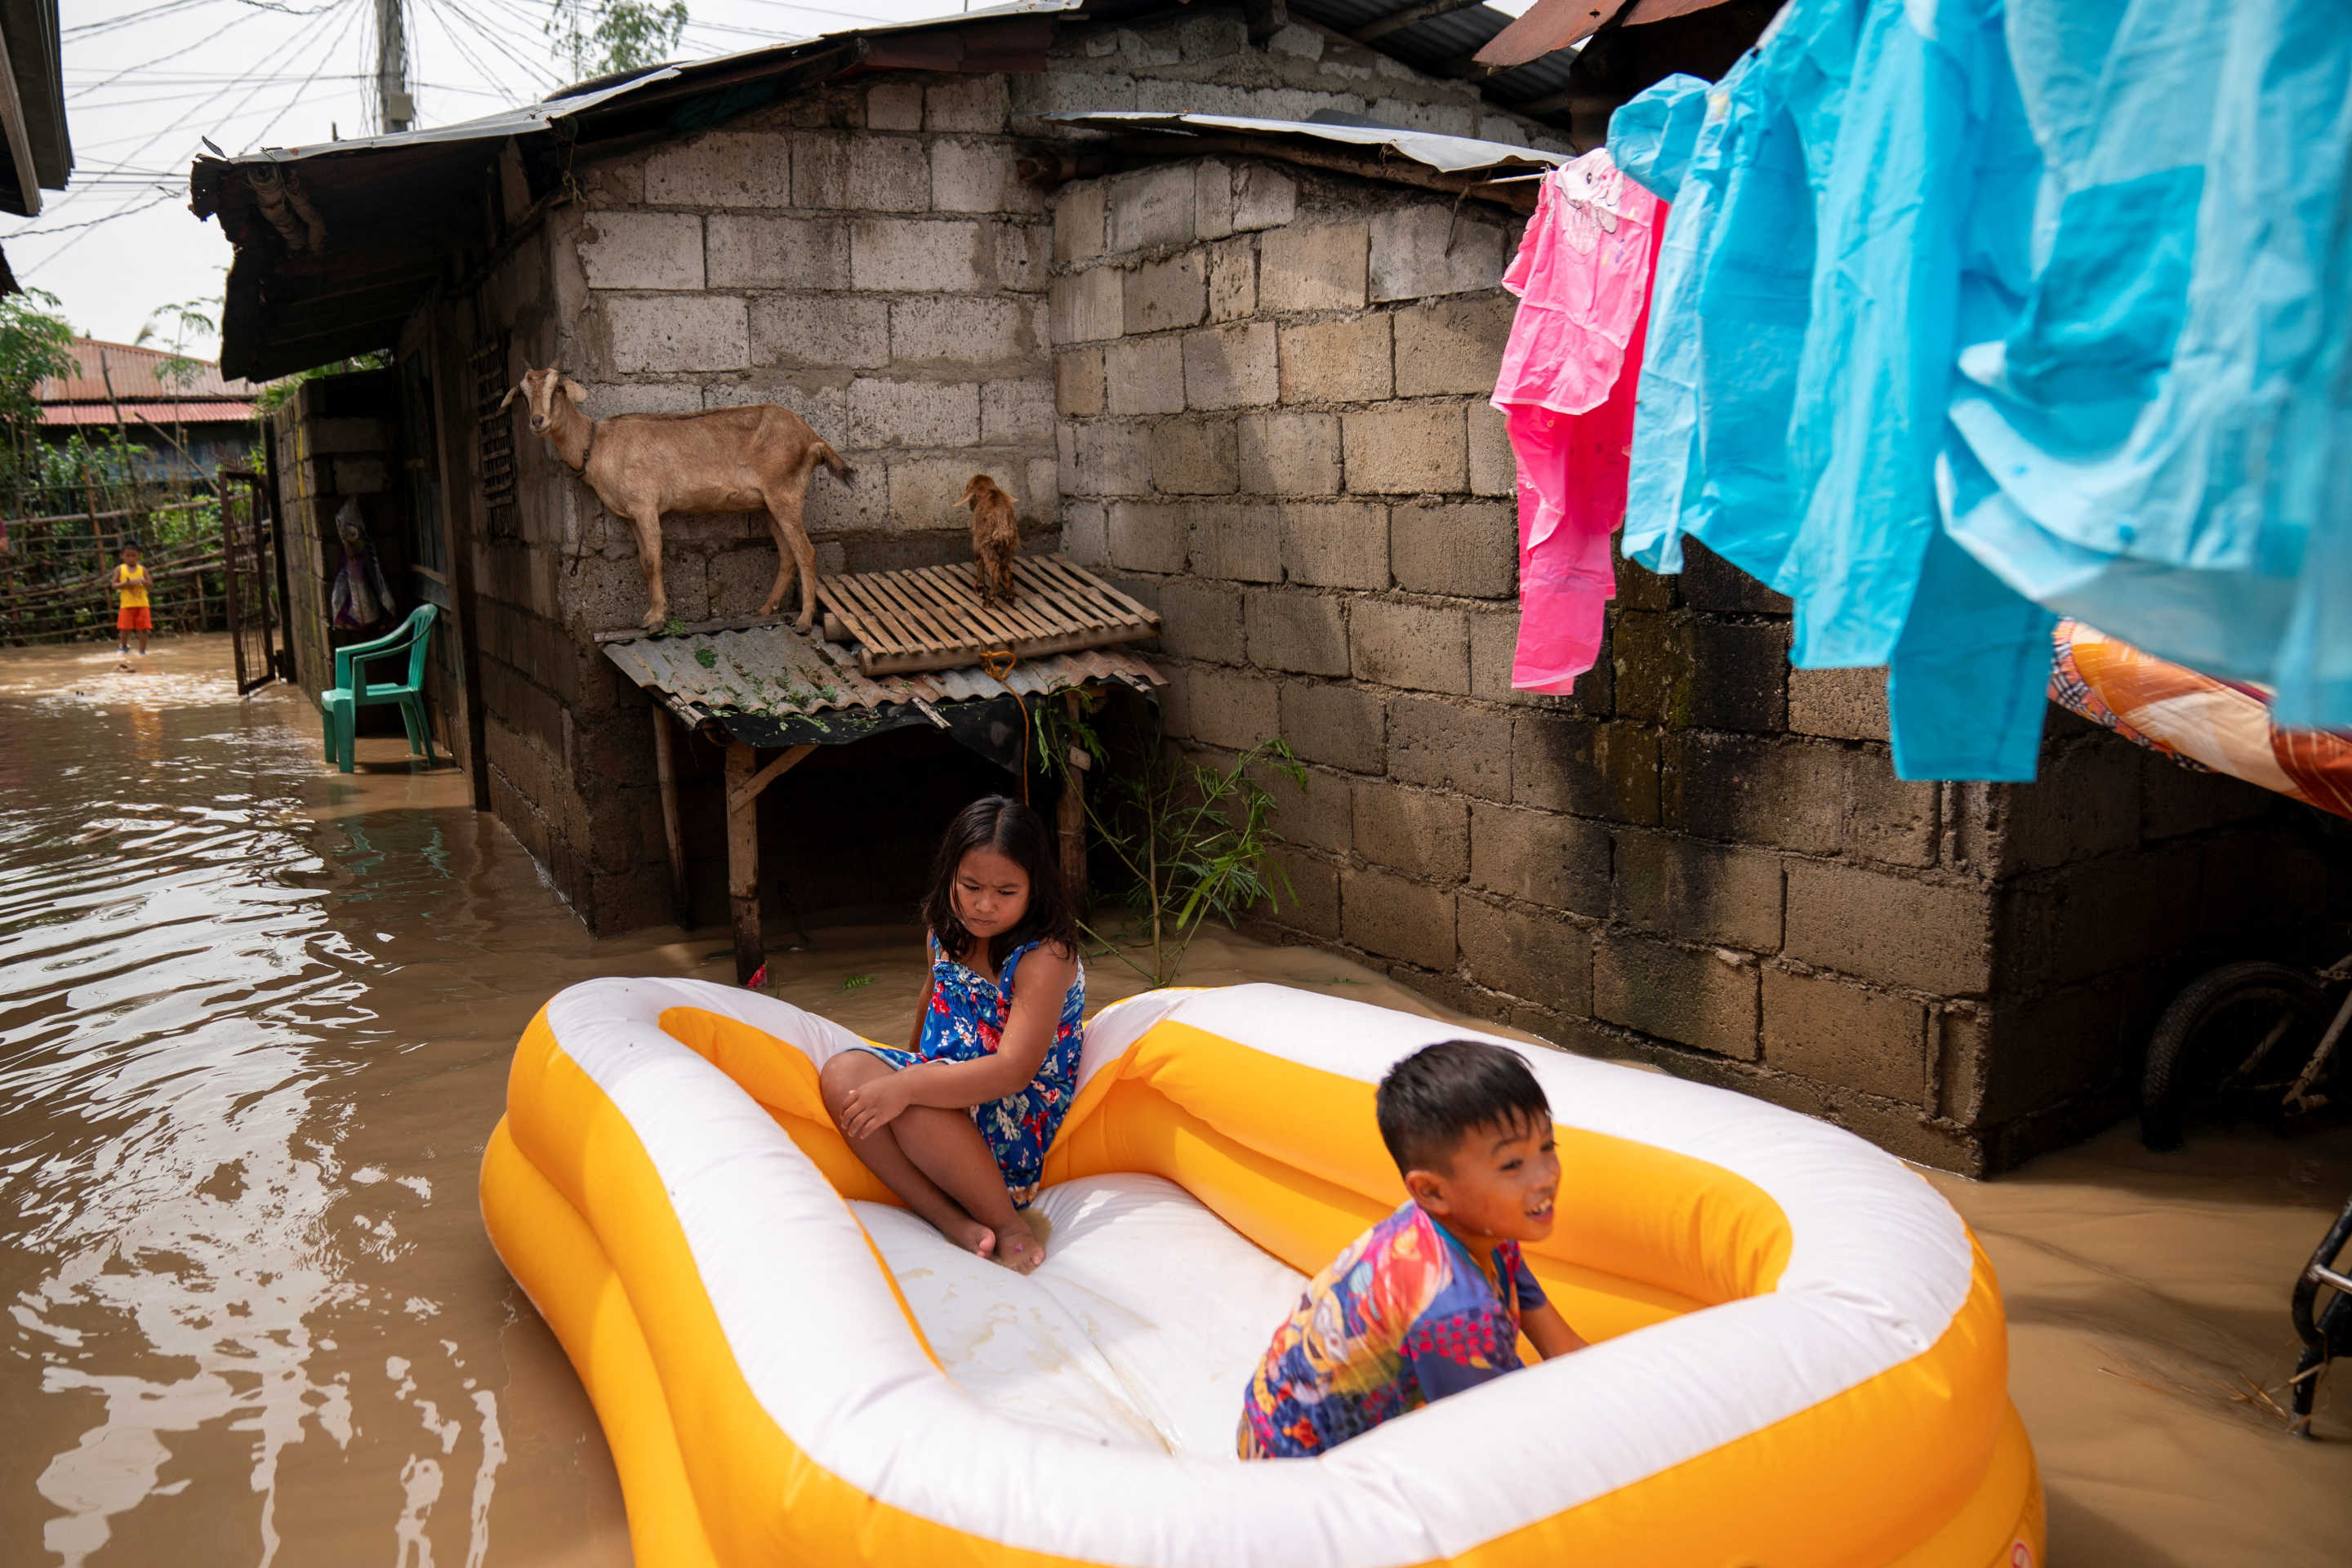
pixel 600 36
pixel 1197 841
pixel 707 657
pixel 34 346
pixel 856 982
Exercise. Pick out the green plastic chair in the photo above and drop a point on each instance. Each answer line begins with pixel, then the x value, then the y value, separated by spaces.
pixel 339 706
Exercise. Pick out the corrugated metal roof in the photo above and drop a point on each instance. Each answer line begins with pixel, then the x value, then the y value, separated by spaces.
pixel 222 411
pixel 1448 154
pixel 774 673
pixel 137 373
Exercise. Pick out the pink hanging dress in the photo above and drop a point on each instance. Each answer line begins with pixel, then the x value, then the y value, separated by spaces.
pixel 1565 391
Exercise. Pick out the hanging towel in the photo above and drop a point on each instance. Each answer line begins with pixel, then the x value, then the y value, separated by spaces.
pixel 1567 392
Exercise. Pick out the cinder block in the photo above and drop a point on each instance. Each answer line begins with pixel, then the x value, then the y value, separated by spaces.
pixel 1493 467
pixel 1417 647
pixel 894 106
pixel 913 414
pixel 1240 543
pixel 1161 295
pixel 1225 708
pixel 1342 726
pixel 1843 704
pixel 1081 220
pixel 1705 997
pixel 1397 918
pixel 642 250
pixel 1264 199
pixel 678 331
pixel 1016 411
pixel 1086 306
pixel 1710 583
pixel 1195 457
pixel 1411 258
pixel 1233 279
pixel 1468 548
pixel 1086 532
pixel 1698 892
pixel 748 252
pixel 1111 457
pixel 1019 253
pixel 1787 793
pixel 1289 454
pixel 860 171
pixel 1344 361
pixel 1312 268
pixel 1889 819
pixel 1147 536
pixel 1078 383
pixel 978 177
pixel 916 255
pixel 1144 375
pixel 361 477
pixel 1405 449
pixel 1545 960
pixel 1152 207
pixel 975 102
pixel 1201 620
pixel 1680 670
pixel 1292 629
pixel 1836 1031
pixel 1564 761
pixel 2084 802
pixel 1540 857
pixel 1230 367
pixel 1452 345
pixel 926 492
pixel 1890 929
pixel 1336 544
pixel 830 330
pixel 1415 831
pixel 1444 744
pixel 941 333
pixel 1212 199
pixel 723 169
pixel 1306 897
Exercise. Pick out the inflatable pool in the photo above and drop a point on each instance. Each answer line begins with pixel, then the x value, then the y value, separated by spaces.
pixel 1802 1358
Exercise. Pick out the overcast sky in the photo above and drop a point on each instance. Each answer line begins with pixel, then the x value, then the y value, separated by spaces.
pixel 146 80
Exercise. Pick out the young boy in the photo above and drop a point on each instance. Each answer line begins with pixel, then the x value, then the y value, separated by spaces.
pixel 130 587
pixel 1432 1299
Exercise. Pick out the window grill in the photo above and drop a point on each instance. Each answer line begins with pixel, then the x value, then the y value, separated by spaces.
pixel 494 442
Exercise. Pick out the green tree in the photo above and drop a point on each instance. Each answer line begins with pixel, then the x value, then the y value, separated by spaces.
pixel 35 345
pixel 600 36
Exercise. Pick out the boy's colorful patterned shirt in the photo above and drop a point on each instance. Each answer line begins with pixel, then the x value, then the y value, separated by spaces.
pixel 1402 1317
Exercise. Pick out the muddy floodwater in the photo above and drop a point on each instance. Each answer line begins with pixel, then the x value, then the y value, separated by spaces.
pixel 255 1019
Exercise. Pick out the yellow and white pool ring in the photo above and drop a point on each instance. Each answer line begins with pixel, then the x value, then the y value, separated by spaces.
pixel 1803 1357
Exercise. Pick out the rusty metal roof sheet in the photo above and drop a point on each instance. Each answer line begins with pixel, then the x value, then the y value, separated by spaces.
pixel 771 674
pixel 1447 155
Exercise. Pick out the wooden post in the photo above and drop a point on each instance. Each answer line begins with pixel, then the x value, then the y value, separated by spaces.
pixel 1070 816
pixel 743 862
pixel 666 764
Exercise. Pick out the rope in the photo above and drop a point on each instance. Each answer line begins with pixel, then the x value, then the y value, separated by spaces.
pixel 998 663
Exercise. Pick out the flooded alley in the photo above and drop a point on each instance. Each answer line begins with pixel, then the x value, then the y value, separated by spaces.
pixel 255 1021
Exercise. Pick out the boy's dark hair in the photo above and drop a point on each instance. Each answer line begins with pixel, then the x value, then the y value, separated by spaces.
pixel 1430 1099
pixel 1000 823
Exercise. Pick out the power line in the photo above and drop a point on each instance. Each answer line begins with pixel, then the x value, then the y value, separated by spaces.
pixel 93 222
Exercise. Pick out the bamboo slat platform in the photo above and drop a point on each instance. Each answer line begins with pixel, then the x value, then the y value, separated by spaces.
pixel 932 618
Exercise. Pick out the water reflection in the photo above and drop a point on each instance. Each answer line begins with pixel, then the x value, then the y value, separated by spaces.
pixel 250 1303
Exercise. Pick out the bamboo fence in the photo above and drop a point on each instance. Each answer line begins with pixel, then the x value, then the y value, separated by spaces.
pixel 57 566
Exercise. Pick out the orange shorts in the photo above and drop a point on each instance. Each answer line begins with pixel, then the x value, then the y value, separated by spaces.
pixel 134 619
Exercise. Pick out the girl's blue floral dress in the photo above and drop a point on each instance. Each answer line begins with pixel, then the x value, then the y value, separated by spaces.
pixel 966 1020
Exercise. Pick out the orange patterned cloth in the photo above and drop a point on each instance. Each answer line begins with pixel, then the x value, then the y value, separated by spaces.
pixel 2223 726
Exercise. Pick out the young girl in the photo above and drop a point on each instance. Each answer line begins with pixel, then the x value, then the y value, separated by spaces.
pixel 957 1124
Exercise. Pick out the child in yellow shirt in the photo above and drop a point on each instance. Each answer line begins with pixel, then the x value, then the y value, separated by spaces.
pixel 130 590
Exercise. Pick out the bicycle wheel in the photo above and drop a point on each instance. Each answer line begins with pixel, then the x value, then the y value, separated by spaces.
pixel 2208 1030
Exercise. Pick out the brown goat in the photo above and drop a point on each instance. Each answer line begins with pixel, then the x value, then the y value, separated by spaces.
pixel 995 537
pixel 722 459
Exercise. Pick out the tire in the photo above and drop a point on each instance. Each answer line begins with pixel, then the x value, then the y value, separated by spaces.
pixel 2188 1058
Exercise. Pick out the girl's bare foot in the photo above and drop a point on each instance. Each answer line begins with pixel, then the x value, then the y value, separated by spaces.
pixel 1018 1248
pixel 972 1235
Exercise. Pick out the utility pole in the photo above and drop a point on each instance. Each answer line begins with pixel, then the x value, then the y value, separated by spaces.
pixel 396 107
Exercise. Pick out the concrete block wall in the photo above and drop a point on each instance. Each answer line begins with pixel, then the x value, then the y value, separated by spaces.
pixel 1275 430
pixel 334 440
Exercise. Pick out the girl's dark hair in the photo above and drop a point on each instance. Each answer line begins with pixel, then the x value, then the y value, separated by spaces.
pixel 1432 1099
pixel 1000 823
